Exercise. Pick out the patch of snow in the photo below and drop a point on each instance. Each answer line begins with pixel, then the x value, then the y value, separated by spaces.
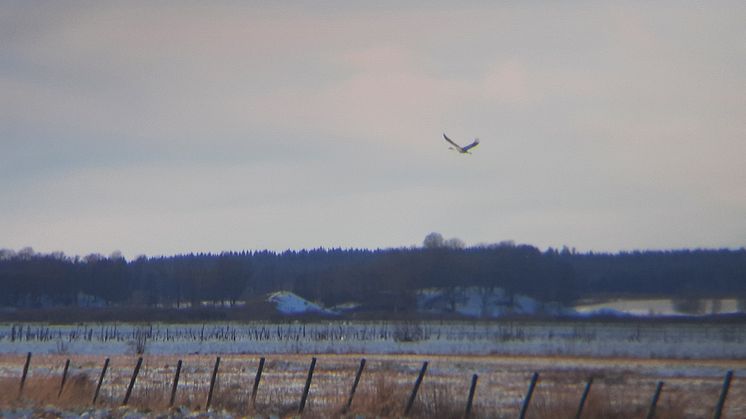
pixel 604 312
pixel 287 302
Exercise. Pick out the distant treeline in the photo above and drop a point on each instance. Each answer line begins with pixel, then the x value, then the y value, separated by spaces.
pixel 384 279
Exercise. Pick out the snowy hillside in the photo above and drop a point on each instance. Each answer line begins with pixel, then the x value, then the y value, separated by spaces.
pixel 495 303
pixel 287 302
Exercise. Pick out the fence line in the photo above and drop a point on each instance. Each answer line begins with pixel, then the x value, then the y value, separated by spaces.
pixel 584 397
pixel 723 394
pixel 470 398
pixel 527 400
pixel 257 378
pixel 132 381
pixel 416 387
pixel 100 380
pixel 64 377
pixel 307 386
pixel 212 383
pixel 25 372
pixel 175 384
pixel 354 384
pixel 410 402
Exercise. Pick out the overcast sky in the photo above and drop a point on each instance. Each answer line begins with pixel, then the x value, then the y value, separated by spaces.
pixel 169 127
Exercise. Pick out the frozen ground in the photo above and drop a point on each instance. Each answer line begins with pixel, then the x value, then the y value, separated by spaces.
pixel 637 339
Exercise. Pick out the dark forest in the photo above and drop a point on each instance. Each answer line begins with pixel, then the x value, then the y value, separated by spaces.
pixel 383 279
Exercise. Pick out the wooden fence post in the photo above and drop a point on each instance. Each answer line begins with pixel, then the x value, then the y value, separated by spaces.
pixel 257 379
pixel 176 383
pixel 307 387
pixel 64 377
pixel 25 373
pixel 654 401
pixel 132 381
pixel 100 380
pixel 354 384
pixel 470 399
pixel 584 397
pixel 415 389
pixel 527 401
pixel 723 394
pixel 212 383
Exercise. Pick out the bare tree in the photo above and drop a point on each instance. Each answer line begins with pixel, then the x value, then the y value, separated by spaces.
pixel 433 241
pixel 454 243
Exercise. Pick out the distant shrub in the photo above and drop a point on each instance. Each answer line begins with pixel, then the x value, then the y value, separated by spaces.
pixel 61 347
pixel 408 332
pixel 139 343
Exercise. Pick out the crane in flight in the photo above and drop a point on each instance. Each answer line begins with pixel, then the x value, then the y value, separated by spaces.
pixel 463 150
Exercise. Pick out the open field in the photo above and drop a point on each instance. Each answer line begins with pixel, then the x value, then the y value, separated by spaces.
pixel 631 338
pixel 622 387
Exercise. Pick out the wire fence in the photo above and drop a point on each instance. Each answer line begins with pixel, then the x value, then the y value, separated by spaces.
pixel 242 381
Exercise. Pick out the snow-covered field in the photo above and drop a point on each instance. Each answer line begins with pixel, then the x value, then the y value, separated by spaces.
pixel 632 338
pixel 626 358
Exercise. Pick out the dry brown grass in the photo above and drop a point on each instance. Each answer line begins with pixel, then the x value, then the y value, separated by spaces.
pixel 232 398
pixel 441 402
pixel 383 398
pixel 77 392
pixel 387 398
pixel 150 396
pixel 607 402
pixel 674 404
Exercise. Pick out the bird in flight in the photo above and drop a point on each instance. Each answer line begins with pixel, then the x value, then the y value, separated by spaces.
pixel 463 150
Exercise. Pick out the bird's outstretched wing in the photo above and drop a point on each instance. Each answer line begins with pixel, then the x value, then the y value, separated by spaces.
pixel 452 143
pixel 472 145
